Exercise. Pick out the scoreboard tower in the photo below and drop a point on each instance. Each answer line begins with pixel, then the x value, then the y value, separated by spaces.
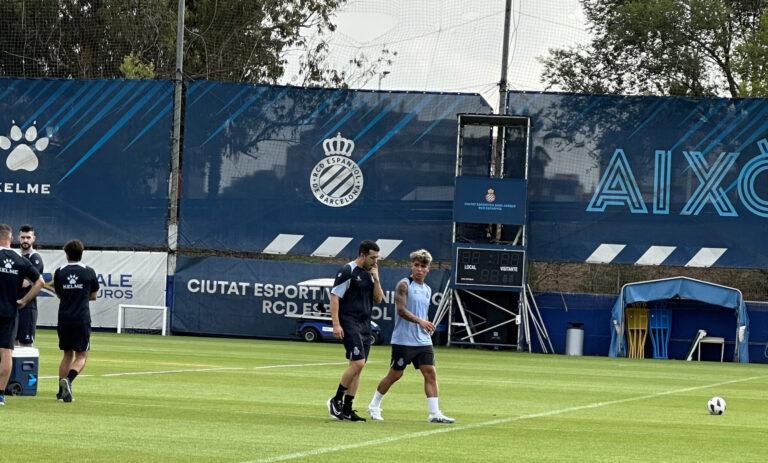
pixel 487 300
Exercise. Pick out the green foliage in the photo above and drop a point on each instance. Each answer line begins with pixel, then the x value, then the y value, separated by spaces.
pixel 134 68
pixel 752 63
pixel 244 40
pixel 227 40
pixel 85 38
pixel 667 47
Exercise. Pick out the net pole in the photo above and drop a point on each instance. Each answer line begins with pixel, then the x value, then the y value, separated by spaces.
pixel 498 155
pixel 504 59
pixel 173 180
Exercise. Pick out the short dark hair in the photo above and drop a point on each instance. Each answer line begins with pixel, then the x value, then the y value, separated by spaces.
pixel 367 246
pixel 74 250
pixel 26 228
pixel 5 231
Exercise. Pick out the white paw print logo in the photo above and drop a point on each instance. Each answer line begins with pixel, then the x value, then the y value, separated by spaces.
pixel 72 279
pixel 23 157
pixel 7 263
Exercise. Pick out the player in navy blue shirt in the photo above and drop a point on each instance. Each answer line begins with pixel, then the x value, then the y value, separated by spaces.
pixel 14 269
pixel 355 290
pixel 75 284
pixel 25 334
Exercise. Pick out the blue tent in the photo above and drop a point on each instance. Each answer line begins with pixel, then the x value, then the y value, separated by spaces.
pixel 683 288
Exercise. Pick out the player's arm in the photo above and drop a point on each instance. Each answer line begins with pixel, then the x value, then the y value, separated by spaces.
pixel 57 284
pixel 338 331
pixel 401 302
pixel 94 286
pixel 31 274
pixel 36 287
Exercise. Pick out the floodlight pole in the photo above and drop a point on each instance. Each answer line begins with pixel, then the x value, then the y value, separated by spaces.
pixel 497 162
pixel 505 59
pixel 173 179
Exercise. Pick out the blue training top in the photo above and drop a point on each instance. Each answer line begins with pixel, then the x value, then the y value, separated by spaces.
pixel 408 333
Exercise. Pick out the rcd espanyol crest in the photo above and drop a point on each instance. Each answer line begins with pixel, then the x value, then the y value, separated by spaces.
pixel 490 196
pixel 337 180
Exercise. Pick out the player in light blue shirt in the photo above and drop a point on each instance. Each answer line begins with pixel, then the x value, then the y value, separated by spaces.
pixel 412 338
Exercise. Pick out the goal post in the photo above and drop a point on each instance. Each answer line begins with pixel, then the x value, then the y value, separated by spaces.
pixel 121 309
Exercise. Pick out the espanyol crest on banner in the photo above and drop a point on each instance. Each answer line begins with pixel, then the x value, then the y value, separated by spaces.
pixel 490 196
pixel 337 180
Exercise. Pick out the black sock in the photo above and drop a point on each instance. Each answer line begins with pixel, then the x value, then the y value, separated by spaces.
pixel 348 403
pixel 340 392
pixel 71 376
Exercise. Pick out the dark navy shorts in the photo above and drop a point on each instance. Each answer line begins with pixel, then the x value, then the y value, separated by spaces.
pixel 7 325
pixel 27 323
pixel 417 355
pixel 357 341
pixel 74 337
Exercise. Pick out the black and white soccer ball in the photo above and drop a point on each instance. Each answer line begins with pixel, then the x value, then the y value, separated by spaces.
pixel 716 406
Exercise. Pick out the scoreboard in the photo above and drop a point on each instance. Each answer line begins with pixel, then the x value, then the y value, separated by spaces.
pixel 489 267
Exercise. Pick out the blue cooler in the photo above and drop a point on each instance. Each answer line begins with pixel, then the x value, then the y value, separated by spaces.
pixel 23 380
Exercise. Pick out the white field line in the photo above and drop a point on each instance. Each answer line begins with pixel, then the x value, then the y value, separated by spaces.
pixel 299 365
pixel 201 370
pixel 453 428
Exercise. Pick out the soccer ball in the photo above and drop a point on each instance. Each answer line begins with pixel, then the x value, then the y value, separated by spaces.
pixel 716 406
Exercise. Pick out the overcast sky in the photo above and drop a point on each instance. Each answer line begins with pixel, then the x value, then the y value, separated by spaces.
pixel 454 45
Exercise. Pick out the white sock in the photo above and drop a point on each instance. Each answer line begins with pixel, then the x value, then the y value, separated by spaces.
pixel 432 405
pixel 376 401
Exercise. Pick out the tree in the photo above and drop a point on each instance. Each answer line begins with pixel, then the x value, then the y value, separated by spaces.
pixel 246 40
pixel 667 47
pixel 228 40
pixel 134 68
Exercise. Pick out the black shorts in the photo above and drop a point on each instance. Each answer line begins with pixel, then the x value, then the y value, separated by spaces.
pixel 7 325
pixel 74 337
pixel 418 355
pixel 27 323
pixel 357 342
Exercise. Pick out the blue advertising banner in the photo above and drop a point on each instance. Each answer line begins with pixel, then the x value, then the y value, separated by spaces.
pixel 647 180
pixel 289 170
pixel 86 159
pixel 489 200
pixel 259 298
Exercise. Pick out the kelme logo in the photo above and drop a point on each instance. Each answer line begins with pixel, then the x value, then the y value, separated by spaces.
pixel 25 146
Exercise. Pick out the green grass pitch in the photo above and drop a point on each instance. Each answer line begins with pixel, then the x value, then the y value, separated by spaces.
pixel 185 399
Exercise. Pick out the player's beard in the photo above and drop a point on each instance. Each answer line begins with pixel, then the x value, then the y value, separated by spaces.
pixel 25 246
